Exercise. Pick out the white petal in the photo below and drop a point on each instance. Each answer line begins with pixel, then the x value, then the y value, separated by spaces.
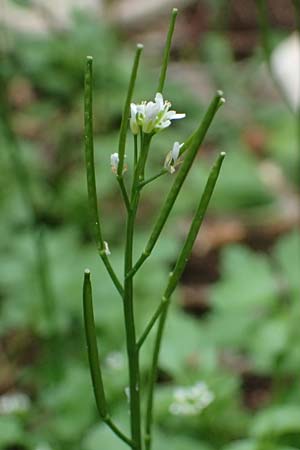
pixel 164 124
pixel 171 115
pixel 159 100
pixel 133 109
pixel 175 151
pixel 151 111
pixel 114 159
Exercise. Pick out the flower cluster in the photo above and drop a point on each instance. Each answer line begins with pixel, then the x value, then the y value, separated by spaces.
pixel 190 401
pixel 152 117
pixel 14 403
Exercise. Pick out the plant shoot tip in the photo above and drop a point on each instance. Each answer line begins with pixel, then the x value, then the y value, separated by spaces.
pixel 223 154
pixel 174 10
pixel 220 93
pixel 140 46
pixel 87 272
pixel 89 58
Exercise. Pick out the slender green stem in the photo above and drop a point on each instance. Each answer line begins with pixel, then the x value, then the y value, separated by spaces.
pixel 139 173
pixel 136 154
pixel 93 356
pixel 153 375
pixel 126 110
pixel 199 136
pixel 132 348
pixel 90 171
pixel 92 348
pixel 109 422
pixel 167 49
pixel 154 177
pixel 150 324
pixel 172 283
pixel 124 192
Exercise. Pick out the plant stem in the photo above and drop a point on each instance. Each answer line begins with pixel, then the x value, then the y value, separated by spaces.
pixel 124 192
pixel 132 351
pixel 91 339
pixel 150 324
pixel 125 116
pixel 94 362
pixel 167 49
pixel 132 348
pixel 199 136
pixel 172 282
pixel 136 155
pixel 90 171
pixel 154 177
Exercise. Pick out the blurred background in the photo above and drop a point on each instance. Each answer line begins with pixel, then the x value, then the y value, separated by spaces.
pixel 234 323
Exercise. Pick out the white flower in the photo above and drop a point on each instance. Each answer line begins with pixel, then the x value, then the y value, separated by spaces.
pixel 152 117
pixel 14 403
pixel 191 400
pixel 114 162
pixel 172 157
pixel 115 361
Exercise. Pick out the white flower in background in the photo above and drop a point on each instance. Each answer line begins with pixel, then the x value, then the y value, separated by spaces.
pixel 14 403
pixel 190 401
pixel 152 117
pixel 285 64
pixel 172 157
pixel 115 361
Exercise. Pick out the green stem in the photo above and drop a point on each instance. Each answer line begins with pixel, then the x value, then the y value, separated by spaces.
pixel 94 362
pixel 124 192
pixel 149 180
pixel 167 49
pixel 136 154
pixel 172 283
pixel 126 110
pixel 150 324
pixel 199 136
pixel 92 348
pixel 139 173
pixel 132 348
pixel 90 171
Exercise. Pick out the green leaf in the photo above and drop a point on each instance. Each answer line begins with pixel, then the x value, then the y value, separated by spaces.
pixel 102 437
pixel 277 421
pixel 254 445
pixel 10 431
pixel 247 284
pixel 287 255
